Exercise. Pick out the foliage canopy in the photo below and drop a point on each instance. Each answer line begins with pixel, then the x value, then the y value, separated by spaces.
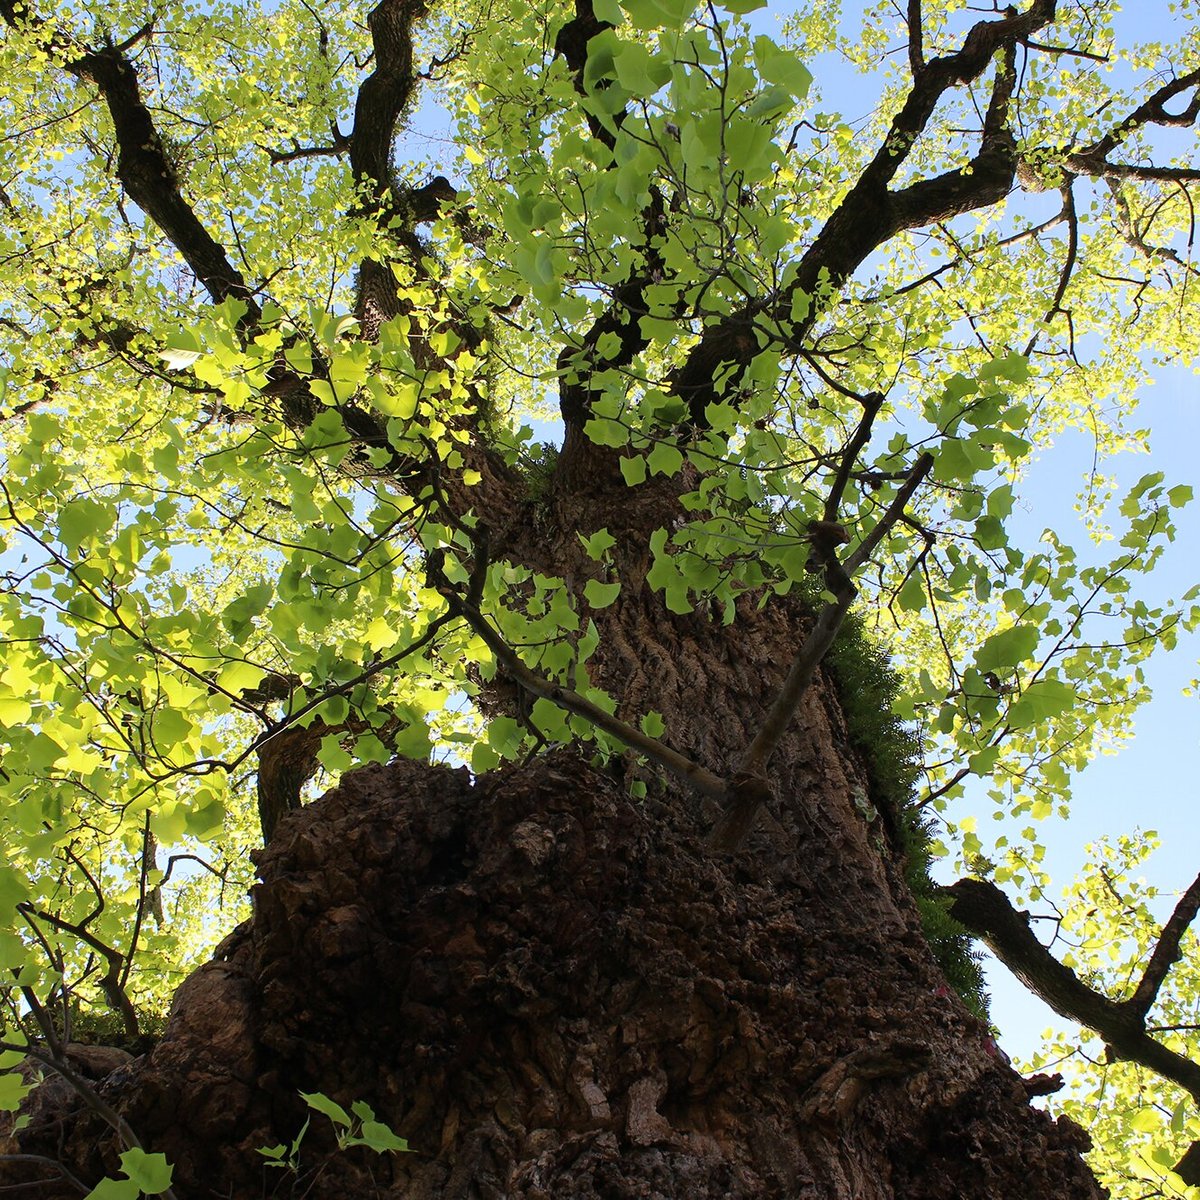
pixel 276 396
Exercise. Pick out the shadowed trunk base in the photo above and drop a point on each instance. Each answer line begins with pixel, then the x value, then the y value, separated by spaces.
pixel 551 991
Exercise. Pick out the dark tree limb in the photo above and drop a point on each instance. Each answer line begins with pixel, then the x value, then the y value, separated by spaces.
pixel 984 910
pixel 384 95
pixel 871 405
pixel 1068 266
pixel 571 42
pixel 114 993
pixel 582 460
pixel 1152 111
pixel 1166 951
pixel 871 212
pixel 143 166
pixel 1135 238
pixel 916 36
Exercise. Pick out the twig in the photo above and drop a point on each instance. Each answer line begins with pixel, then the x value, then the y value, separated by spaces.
pixel 88 1095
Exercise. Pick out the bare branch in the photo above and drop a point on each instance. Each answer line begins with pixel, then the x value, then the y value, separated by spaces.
pixel 298 152
pixel 1067 51
pixel 862 434
pixel 1166 952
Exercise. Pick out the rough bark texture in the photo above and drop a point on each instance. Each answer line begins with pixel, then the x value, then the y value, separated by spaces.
pixel 554 991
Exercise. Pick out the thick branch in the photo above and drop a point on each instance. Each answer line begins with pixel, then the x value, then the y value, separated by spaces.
pixel 1152 111
pixel 916 36
pixel 986 912
pixel 572 42
pixel 862 434
pixel 828 622
pixel 145 171
pixel 1068 267
pixel 580 457
pixel 384 94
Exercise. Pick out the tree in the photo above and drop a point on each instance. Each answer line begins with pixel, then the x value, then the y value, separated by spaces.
pixel 283 496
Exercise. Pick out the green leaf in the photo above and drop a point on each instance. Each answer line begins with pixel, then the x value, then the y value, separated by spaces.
pixel 1013 366
pixel 1040 701
pixel 1008 649
pixel 912 596
pixel 600 595
pixel 151 1172
pixel 1146 1120
pixel 664 459
pixel 780 67
pixel 653 725
pixel 84 520
pixel 13 1089
pixel 380 1138
pixel 14 887
pixel 599 544
pixel 330 1108
pixel 677 599
pixel 633 469
pixel 606 432
pixel 652 14
pixel 114 1189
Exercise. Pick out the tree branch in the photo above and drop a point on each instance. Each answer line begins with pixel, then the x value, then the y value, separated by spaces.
pixel 114 992
pixel 572 42
pixel 916 35
pixel 1152 111
pixel 1068 266
pixel 870 213
pixel 750 787
pixel 691 773
pixel 984 910
pixel 143 167
pixel 1166 952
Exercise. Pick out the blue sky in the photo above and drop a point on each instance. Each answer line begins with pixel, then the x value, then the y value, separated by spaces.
pixel 1152 783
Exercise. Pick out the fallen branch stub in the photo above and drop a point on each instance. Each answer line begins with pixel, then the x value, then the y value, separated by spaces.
pixel 746 796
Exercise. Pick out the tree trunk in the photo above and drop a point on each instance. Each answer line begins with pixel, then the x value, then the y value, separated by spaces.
pixel 554 990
